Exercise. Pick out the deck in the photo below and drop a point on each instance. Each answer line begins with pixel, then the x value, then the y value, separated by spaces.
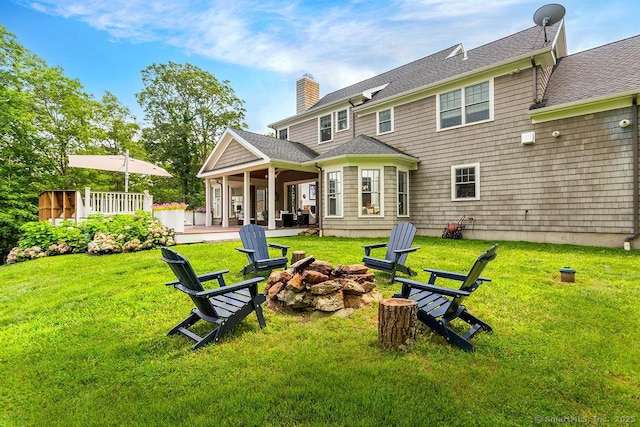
pixel 215 233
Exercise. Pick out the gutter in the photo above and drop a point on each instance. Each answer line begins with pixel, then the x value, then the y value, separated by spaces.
pixel 636 173
pixel 353 119
pixel 319 200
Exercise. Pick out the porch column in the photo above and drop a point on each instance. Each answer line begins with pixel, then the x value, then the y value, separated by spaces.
pixel 271 188
pixel 225 202
pixel 207 204
pixel 247 198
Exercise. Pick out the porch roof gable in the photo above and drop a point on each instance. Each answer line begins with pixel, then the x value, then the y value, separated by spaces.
pixel 239 149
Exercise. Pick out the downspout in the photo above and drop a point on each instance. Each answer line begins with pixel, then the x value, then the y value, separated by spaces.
pixel 353 119
pixel 636 173
pixel 319 199
pixel 535 80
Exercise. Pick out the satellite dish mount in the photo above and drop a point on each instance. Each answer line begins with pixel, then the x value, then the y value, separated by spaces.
pixel 548 15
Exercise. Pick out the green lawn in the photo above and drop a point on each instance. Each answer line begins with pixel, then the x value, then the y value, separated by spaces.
pixel 83 342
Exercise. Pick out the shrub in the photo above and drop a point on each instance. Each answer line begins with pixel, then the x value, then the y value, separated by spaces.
pixel 97 235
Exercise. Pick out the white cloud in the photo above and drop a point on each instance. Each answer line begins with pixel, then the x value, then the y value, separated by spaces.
pixel 340 43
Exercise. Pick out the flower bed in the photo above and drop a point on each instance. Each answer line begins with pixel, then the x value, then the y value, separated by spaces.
pixel 97 235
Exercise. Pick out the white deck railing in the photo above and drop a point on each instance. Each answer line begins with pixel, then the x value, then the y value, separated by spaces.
pixel 116 202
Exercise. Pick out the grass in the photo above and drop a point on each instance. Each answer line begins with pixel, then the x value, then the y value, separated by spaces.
pixel 83 342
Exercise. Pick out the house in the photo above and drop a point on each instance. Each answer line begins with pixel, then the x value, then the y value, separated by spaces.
pixel 524 140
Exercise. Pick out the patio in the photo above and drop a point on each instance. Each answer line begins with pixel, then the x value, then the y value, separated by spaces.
pixel 217 233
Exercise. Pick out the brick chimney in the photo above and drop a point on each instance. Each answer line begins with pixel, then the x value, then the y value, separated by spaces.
pixel 307 93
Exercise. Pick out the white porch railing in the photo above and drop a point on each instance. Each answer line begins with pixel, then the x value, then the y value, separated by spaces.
pixel 116 202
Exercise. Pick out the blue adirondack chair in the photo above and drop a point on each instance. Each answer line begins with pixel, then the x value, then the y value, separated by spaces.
pixel 224 307
pixel 438 306
pixel 398 247
pixel 255 247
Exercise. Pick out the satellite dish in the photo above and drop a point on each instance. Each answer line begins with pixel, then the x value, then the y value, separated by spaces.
pixel 548 15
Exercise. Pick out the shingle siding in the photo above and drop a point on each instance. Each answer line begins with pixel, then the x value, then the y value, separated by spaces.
pixel 577 183
pixel 234 155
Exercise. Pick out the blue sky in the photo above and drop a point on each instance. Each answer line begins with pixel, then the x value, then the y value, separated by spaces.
pixel 263 47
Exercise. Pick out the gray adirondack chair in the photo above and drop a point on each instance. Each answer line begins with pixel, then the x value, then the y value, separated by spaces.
pixel 438 306
pixel 255 247
pixel 398 247
pixel 224 307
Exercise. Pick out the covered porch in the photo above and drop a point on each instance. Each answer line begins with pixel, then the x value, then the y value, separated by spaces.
pixel 251 178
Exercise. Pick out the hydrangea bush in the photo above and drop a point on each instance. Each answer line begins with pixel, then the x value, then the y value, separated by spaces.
pixel 97 235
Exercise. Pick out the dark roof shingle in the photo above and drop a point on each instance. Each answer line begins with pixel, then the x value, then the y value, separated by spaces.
pixel 278 149
pixel 362 145
pixel 438 67
pixel 605 70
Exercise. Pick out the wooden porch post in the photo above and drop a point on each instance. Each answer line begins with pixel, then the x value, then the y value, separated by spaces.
pixel 225 202
pixel 247 198
pixel 207 205
pixel 271 186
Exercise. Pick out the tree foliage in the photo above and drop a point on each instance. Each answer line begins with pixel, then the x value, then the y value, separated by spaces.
pixel 44 117
pixel 186 110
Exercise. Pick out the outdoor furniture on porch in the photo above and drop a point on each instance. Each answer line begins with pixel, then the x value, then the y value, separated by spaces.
pixel 224 307
pixel 398 247
pixel 438 306
pixel 255 247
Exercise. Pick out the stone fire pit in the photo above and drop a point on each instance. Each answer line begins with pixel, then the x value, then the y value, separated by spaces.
pixel 311 284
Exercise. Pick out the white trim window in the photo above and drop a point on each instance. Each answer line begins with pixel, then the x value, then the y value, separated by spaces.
pixel 371 192
pixel 465 182
pixel 325 128
pixel 403 192
pixel 471 104
pixel 334 193
pixel 283 134
pixel 384 119
pixel 217 201
pixel 342 119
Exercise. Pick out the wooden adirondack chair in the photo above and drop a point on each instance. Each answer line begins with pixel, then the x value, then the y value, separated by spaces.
pixel 398 247
pixel 225 306
pixel 255 245
pixel 438 306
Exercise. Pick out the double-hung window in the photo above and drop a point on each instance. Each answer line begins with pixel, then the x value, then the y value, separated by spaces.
pixel 465 182
pixel 334 193
pixel 343 120
pixel 467 105
pixel 325 127
pixel 283 133
pixel 403 193
pixel 385 121
pixel 370 191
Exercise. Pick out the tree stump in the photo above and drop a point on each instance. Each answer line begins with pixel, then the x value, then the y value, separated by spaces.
pixel 297 256
pixel 397 323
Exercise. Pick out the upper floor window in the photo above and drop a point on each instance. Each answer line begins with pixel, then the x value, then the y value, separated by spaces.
pixel 283 134
pixel 325 124
pixel 334 193
pixel 465 182
pixel 343 120
pixel 470 104
pixel 403 193
pixel 385 121
pixel 370 191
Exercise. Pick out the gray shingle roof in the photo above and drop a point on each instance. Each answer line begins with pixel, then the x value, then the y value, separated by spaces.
pixel 606 70
pixel 278 149
pixel 438 67
pixel 362 145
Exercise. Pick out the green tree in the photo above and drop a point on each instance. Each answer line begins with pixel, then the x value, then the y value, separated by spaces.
pixel 186 110
pixel 19 146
